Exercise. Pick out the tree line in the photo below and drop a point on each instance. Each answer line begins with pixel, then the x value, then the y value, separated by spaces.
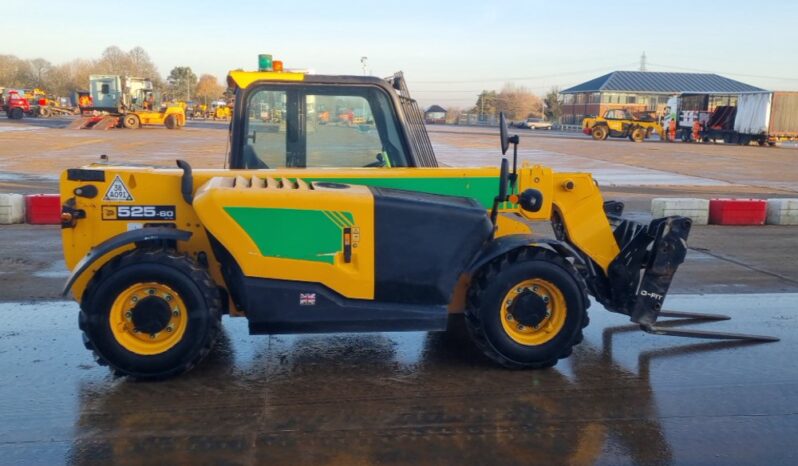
pixel 517 103
pixel 65 78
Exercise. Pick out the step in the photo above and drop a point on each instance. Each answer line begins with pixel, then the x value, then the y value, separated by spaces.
pixel 693 208
pixel 12 208
pixel 737 211
pixel 782 211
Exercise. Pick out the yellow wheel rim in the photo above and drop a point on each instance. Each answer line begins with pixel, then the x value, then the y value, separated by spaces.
pixel 552 323
pixel 129 306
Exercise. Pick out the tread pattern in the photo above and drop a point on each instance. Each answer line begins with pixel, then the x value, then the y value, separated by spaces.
pixel 486 275
pixel 171 258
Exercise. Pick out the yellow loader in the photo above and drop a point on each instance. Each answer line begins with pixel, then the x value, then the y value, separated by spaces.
pixel 326 228
pixel 620 123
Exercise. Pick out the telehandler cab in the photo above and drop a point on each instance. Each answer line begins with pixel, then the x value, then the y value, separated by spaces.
pixel 322 225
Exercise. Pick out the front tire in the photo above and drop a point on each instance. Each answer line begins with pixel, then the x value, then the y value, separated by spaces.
pixel 171 122
pixel 131 121
pixel 527 309
pixel 16 113
pixel 151 314
pixel 599 133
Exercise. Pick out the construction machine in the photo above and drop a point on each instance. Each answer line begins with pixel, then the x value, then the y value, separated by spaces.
pixel 220 110
pixel 44 105
pixel 343 230
pixel 14 104
pixel 128 102
pixel 621 123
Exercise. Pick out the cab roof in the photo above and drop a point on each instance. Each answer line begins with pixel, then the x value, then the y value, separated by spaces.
pixel 243 79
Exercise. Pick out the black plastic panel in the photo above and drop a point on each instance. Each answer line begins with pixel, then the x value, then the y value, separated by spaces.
pixel 423 243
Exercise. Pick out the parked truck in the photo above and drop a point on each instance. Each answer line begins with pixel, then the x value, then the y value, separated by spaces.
pixel 761 117
pixel 14 104
pixel 128 102
pixel 767 117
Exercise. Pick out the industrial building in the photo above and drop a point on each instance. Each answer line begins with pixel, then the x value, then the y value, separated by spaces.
pixel 641 91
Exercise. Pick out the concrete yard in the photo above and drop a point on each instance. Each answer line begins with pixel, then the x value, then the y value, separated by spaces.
pixel 623 397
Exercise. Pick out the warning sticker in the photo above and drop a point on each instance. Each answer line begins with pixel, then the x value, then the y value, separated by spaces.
pixel 117 191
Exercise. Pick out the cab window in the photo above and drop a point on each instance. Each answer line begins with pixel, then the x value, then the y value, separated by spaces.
pixel 303 126
pixel 266 130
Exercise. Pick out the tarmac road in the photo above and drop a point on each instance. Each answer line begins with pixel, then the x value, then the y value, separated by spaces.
pixel 624 397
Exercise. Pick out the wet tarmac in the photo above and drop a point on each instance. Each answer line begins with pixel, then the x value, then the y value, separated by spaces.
pixel 624 397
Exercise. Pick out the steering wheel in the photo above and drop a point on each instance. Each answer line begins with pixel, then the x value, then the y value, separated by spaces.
pixel 251 159
pixel 380 162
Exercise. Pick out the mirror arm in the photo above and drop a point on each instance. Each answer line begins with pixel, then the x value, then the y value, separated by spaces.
pixel 514 140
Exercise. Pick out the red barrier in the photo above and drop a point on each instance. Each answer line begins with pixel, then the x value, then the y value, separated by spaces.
pixel 737 211
pixel 43 209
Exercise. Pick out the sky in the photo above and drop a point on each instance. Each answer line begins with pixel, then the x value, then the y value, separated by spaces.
pixel 449 50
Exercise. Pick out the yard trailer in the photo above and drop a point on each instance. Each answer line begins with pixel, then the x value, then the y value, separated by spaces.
pixel 765 118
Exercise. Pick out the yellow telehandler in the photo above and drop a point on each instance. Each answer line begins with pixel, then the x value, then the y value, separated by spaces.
pixel 333 228
pixel 620 123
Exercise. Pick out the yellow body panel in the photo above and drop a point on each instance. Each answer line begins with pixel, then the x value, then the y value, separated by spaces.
pixel 574 196
pixel 354 279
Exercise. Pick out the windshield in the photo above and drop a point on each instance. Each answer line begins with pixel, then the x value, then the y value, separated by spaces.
pixel 307 126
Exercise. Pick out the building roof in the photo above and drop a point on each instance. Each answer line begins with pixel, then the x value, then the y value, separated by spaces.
pixel 659 82
pixel 436 109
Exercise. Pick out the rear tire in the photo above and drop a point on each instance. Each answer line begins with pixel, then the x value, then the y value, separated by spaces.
pixel 638 135
pixel 150 314
pixel 599 133
pixel 16 113
pixel 527 337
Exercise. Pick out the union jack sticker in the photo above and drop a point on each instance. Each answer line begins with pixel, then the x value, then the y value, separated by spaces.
pixel 307 299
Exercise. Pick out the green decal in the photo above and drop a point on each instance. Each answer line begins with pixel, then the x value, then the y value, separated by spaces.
pixel 483 189
pixel 311 235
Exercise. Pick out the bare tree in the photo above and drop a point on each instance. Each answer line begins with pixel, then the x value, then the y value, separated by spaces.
pixel 453 115
pixel 15 72
pixel 114 61
pixel 208 88
pixel 553 105
pixel 39 67
pixel 518 103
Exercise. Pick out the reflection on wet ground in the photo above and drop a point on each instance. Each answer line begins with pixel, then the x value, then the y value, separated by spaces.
pixel 624 397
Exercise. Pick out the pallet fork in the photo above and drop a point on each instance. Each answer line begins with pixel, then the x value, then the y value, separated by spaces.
pixel 670 327
pixel 657 249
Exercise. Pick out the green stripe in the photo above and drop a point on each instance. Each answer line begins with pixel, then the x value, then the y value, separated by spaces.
pixel 483 189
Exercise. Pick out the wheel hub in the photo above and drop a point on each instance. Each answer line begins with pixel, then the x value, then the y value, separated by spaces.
pixel 529 309
pixel 151 315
